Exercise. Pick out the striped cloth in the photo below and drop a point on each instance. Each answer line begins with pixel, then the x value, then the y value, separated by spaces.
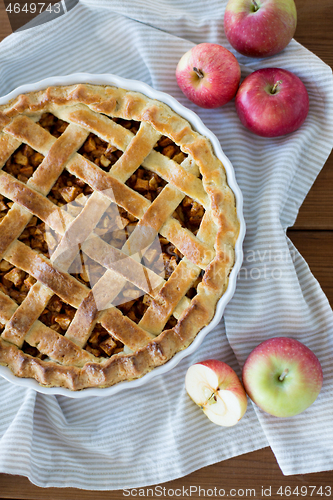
pixel 155 433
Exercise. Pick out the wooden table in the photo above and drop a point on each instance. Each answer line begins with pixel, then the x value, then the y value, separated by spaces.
pixel 313 236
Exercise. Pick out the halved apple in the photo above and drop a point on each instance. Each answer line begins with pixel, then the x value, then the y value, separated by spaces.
pixel 216 388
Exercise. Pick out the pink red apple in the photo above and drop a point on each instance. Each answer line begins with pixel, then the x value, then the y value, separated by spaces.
pixel 282 376
pixel 260 28
pixel 272 102
pixel 209 75
pixel 215 387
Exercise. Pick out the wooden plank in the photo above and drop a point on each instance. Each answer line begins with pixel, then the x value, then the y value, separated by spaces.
pixel 314 31
pixel 314 28
pixel 317 249
pixel 316 211
pixel 5 28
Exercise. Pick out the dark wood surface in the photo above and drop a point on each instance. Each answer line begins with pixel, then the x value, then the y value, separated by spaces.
pixel 312 234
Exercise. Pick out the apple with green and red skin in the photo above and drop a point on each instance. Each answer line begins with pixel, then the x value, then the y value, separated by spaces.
pixel 216 388
pixel 260 28
pixel 282 376
pixel 272 102
pixel 208 75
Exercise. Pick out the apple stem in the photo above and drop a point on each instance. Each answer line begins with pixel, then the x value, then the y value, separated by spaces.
pixel 198 72
pixel 255 5
pixel 283 374
pixel 274 89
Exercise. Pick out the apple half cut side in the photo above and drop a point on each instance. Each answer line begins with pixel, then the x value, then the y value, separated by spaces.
pixel 216 388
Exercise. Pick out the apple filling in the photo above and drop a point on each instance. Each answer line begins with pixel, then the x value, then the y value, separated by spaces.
pixel 16 284
pixel 168 148
pixel 23 163
pixel 189 213
pixel 52 124
pixel 34 236
pixel 102 344
pixel 25 160
pixel 58 316
pixel 115 226
pixel 5 205
pixel 100 152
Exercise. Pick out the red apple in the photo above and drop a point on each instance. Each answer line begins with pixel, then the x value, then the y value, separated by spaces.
pixel 282 376
pixel 260 28
pixel 215 387
pixel 272 102
pixel 209 75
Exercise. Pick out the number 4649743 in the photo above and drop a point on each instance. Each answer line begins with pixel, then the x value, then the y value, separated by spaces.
pixel 33 8
pixel 304 491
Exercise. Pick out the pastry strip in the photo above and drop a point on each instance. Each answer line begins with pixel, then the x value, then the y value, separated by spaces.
pixel 48 342
pixel 109 131
pixel 26 314
pixel 169 297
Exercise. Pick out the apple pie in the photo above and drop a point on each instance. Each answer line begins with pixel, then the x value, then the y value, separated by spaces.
pixel 117 235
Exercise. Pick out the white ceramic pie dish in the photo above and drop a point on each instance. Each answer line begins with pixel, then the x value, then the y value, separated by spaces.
pixel 197 124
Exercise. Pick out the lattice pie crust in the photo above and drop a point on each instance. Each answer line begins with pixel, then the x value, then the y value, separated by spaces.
pixel 129 168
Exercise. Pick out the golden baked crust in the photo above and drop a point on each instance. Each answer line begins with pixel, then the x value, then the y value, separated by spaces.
pixel 63 358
